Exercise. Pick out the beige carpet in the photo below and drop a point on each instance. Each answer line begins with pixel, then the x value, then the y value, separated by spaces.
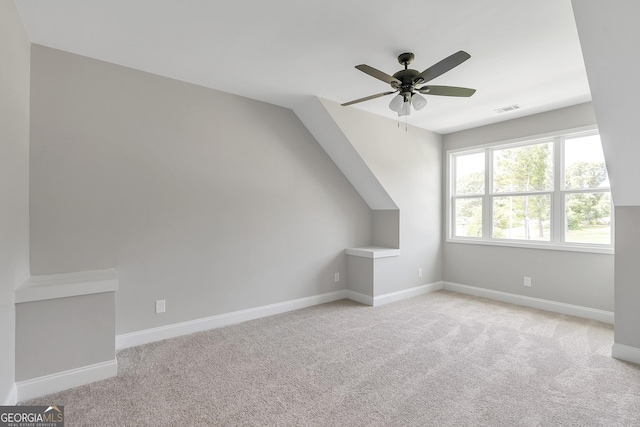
pixel 442 359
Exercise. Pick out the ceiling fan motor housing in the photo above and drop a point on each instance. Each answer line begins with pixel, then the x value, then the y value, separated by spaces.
pixel 408 79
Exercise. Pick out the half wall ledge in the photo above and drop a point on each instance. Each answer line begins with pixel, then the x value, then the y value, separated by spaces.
pixel 373 252
pixel 51 286
pixel 361 270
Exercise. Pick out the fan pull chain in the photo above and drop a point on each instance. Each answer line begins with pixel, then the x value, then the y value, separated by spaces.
pixel 406 123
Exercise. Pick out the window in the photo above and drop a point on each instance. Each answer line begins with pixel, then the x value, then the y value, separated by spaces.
pixel 551 192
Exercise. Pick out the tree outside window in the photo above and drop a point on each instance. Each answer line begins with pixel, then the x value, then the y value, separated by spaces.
pixel 524 169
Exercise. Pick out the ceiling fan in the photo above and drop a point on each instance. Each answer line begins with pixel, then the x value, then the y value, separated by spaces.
pixel 410 84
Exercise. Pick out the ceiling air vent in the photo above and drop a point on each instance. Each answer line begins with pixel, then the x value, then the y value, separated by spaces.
pixel 508 108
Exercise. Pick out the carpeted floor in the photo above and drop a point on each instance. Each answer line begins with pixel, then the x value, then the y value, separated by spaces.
pixel 441 359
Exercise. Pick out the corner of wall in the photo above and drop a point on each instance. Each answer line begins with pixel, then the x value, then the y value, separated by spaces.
pixel 625 353
pixel 14 182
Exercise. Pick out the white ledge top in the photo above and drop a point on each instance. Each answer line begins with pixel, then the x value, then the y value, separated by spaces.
pixel 50 286
pixel 373 252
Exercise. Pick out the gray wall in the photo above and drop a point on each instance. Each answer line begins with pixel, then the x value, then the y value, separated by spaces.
pixel 408 165
pixel 583 279
pixel 210 201
pixel 386 228
pixel 627 276
pixel 610 38
pixel 14 181
pixel 79 332
pixel 360 275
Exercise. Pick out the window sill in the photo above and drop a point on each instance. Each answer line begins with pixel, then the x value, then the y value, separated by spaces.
pixel 537 245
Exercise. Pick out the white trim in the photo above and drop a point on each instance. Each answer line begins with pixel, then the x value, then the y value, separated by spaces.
pixel 41 386
pixel 12 397
pixel 38 288
pixel 567 247
pixel 539 303
pixel 373 252
pixel 146 336
pixel 626 353
pixel 361 298
pixel 407 293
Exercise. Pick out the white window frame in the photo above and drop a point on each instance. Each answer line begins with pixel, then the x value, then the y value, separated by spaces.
pixel 557 196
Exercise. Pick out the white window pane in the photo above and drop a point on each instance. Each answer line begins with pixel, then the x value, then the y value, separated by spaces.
pixel 468 217
pixel 523 168
pixel 469 177
pixel 522 217
pixel 584 165
pixel 588 218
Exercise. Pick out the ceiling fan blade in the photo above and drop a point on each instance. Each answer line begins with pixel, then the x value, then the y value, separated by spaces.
pixel 447 91
pixel 443 66
pixel 378 95
pixel 377 74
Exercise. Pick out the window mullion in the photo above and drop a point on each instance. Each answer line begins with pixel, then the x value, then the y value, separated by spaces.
pixel 557 203
pixel 487 205
pixel 450 189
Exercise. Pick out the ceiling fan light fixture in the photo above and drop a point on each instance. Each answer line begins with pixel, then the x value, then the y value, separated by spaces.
pixel 418 101
pixel 396 103
pixel 406 108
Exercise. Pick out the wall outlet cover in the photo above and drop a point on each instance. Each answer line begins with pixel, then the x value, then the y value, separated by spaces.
pixel 160 306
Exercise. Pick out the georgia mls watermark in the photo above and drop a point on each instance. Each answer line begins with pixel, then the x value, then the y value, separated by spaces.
pixel 31 416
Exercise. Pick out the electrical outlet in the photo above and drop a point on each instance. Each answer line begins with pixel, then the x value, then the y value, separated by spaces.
pixel 337 277
pixel 419 272
pixel 527 281
pixel 160 306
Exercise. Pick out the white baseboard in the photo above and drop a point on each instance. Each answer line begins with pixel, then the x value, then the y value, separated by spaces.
pixel 12 398
pixel 48 384
pixel 146 336
pixel 361 298
pixel 539 303
pixel 407 293
pixel 626 353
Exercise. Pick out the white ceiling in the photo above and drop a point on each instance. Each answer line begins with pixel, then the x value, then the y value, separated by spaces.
pixel 522 52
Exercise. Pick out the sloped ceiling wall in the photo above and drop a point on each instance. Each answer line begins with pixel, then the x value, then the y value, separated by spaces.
pixel 610 38
pixel 406 163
